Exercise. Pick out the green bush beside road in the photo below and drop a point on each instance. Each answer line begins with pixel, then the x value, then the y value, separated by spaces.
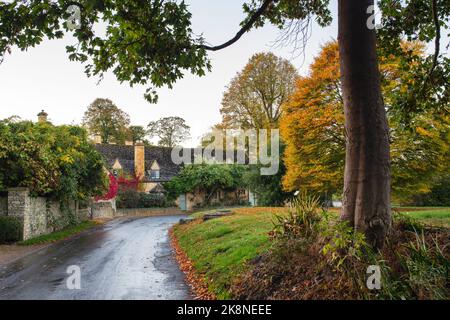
pixel 11 229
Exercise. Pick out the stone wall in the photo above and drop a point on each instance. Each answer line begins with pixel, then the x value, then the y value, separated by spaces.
pixel 198 199
pixel 18 202
pixel 148 212
pixel 103 209
pixel 107 209
pixel 35 220
pixel 41 215
pixel 60 216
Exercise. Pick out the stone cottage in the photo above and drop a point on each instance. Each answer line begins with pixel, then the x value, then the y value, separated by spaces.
pixel 153 166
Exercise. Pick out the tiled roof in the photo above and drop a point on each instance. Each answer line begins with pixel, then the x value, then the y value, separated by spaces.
pixel 125 155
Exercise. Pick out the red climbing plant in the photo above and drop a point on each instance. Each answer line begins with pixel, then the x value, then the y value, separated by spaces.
pixel 132 183
pixel 113 189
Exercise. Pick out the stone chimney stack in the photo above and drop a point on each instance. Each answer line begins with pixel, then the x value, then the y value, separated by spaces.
pixel 139 160
pixel 97 139
pixel 42 117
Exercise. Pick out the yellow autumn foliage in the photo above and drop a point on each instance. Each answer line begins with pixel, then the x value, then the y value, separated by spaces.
pixel 312 126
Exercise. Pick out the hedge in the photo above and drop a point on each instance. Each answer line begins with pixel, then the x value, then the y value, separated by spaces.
pixel 129 198
pixel 11 229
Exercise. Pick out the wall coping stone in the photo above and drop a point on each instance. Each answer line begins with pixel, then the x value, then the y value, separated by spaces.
pixel 18 189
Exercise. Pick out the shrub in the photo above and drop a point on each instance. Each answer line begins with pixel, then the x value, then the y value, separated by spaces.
pixel 206 177
pixel 302 219
pixel 428 268
pixel 130 198
pixel 147 200
pixel 268 189
pixel 127 198
pixel 52 161
pixel 315 255
pixel 425 269
pixel 406 222
pixel 11 229
pixel 414 264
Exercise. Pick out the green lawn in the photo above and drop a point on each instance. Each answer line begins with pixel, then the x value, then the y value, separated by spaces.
pixel 433 216
pixel 59 235
pixel 220 247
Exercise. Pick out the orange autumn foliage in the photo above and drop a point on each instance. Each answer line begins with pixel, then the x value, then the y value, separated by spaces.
pixel 312 127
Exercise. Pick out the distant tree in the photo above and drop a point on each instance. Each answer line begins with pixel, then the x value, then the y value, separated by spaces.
pixel 206 177
pixel 171 131
pixel 253 100
pixel 255 95
pixel 439 195
pixel 313 128
pixel 137 133
pixel 104 118
pixel 267 188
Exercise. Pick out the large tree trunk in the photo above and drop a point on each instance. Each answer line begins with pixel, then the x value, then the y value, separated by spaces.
pixel 366 199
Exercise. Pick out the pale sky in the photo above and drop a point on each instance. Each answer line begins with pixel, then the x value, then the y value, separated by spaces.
pixel 44 78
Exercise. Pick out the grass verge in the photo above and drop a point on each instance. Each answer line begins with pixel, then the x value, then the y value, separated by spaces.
pixel 219 249
pixel 59 235
pixel 436 217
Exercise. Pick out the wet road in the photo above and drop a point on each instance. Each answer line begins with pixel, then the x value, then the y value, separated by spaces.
pixel 123 259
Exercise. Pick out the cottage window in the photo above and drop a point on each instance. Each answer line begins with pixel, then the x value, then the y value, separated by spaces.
pixel 154 174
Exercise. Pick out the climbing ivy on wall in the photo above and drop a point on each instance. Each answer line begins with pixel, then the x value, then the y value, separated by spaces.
pixel 52 161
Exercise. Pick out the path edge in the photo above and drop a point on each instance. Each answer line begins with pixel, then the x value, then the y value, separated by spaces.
pixel 196 281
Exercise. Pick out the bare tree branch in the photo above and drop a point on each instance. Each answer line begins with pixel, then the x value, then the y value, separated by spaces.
pixel 248 25
pixel 438 35
pixel 437 40
pixel 295 34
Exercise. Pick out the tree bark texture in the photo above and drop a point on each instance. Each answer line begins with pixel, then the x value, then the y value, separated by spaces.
pixel 366 198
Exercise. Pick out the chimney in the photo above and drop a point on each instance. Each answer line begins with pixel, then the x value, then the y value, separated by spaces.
pixel 42 117
pixel 139 160
pixel 97 139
